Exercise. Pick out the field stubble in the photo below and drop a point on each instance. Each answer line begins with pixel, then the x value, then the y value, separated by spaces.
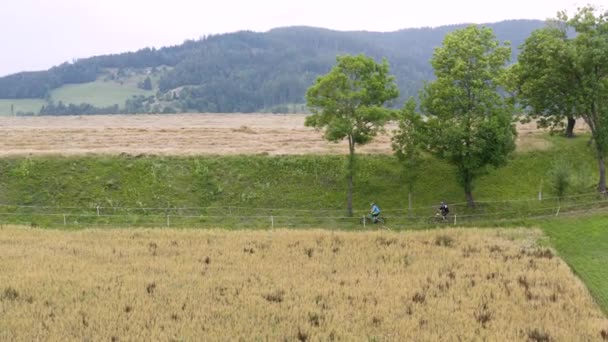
pixel 187 134
pixel 296 285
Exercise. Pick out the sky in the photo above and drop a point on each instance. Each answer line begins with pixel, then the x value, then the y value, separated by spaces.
pixel 38 34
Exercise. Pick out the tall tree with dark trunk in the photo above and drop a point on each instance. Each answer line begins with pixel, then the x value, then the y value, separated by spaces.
pixel 349 103
pixel 543 81
pixel 469 123
pixel 559 74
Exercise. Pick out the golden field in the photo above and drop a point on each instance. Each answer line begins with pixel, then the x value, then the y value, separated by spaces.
pixel 191 134
pixel 208 285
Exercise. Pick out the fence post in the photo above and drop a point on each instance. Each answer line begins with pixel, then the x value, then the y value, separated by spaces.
pixel 454 219
pixel 409 202
pixel 168 221
pixel 557 213
pixel 364 219
pixel 65 222
pixel 97 210
pixel 540 191
pixel 272 221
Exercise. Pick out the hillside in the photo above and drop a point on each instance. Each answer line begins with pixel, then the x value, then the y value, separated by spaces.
pixel 238 72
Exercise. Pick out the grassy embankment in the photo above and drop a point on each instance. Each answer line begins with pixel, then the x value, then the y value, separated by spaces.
pixel 583 243
pixel 290 185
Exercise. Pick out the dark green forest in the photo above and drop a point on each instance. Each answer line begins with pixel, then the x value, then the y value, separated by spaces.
pixel 249 71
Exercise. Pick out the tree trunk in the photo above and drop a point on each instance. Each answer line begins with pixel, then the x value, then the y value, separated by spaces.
pixel 468 190
pixel 349 195
pixel 470 200
pixel 602 184
pixel 351 171
pixel 570 127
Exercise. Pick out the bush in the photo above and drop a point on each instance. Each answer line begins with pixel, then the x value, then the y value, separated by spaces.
pixel 560 176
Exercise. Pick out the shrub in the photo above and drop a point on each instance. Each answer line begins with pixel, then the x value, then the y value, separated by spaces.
pixel 560 177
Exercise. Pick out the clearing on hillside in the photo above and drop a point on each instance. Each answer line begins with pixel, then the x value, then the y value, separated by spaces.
pixel 186 134
pixel 461 284
pixel 15 106
pixel 98 93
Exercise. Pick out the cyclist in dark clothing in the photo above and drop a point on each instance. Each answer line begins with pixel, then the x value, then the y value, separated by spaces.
pixel 443 208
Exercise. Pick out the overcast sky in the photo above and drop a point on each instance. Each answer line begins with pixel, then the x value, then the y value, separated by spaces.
pixel 37 34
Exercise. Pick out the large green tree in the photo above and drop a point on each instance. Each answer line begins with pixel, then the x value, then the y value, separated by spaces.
pixel 469 123
pixel 542 79
pixel 560 74
pixel 349 103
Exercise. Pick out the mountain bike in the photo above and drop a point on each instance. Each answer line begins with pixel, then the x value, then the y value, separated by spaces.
pixel 438 218
pixel 368 219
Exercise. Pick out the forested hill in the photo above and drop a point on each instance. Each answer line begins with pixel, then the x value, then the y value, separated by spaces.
pixel 249 71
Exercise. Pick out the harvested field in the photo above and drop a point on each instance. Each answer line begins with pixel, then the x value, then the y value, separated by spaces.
pixel 452 284
pixel 187 134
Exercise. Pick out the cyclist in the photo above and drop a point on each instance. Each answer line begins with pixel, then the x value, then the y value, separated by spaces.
pixel 374 212
pixel 444 210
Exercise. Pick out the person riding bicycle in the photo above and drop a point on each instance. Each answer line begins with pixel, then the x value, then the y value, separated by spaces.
pixel 444 210
pixel 374 212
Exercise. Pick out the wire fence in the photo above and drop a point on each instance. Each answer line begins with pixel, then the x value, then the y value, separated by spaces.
pixel 493 211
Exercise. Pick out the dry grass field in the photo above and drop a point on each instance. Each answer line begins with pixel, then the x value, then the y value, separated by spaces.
pixel 187 134
pixel 174 285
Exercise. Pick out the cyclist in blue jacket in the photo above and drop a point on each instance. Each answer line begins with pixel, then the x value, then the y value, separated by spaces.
pixel 375 212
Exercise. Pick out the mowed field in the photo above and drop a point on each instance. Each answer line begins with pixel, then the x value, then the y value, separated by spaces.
pixel 186 134
pixel 174 285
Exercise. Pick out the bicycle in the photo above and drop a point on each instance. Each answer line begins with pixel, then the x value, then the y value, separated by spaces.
pixel 368 219
pixel 438 218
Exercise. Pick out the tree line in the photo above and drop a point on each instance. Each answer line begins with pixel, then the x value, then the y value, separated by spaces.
pixel 466 115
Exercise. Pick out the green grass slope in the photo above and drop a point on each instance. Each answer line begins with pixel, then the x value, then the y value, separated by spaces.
pixel 583 243
pixel 296 183
pixel 98 93
pixel 20 105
